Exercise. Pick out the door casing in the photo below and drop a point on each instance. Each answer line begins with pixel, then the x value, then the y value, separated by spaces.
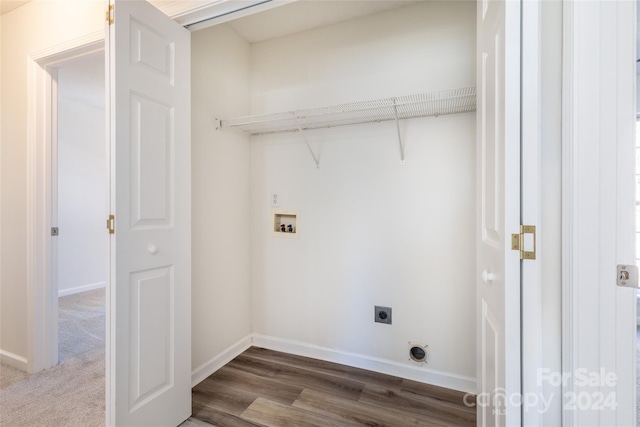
pixel 42 292
pixel 599 114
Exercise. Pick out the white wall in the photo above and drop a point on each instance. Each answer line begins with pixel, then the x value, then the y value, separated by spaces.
pixel 221 314
pixel 372 232
pixel 34 26
pixel 82 185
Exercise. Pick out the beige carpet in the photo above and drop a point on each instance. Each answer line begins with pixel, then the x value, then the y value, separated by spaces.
pixel 72 393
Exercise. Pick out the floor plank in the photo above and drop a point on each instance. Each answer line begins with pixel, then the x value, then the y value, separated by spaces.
pixel 272 414
pixel 272 389
pixel 269 388
pixel 327 368
pixel 440 393
pixel 420 405
pixel 218 417
pixel 363 414
pixel 228 399
pixel 300 377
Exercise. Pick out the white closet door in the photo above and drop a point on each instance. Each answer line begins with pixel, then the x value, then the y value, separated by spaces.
pixel 498 169
pixel 149 362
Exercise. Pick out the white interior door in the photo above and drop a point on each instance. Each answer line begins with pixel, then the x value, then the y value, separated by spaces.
pixel 149 359
pixel 498 169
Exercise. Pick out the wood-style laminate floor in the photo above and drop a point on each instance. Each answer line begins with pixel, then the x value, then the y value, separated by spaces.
pixel 268 388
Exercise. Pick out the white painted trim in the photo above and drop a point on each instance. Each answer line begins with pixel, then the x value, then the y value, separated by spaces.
pixel 598 111
pixel 80 289
pixel 569 203
pixel 624 300
pixel 41 310
pixel 42 298
pixel 389 367
pixel 10 359
pixel 70 49
pixel 203 371
pixel 531 214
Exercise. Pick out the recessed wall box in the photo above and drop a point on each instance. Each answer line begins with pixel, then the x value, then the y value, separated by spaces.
pixel 286 223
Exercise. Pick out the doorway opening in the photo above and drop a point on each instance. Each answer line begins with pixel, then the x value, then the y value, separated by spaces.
pixel 80 205
pixel 79 386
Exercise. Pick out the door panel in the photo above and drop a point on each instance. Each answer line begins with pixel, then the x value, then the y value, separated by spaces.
pixel 498 169
pixel 150 310
pixel 152 129
pixel 490 144
pixel 152 313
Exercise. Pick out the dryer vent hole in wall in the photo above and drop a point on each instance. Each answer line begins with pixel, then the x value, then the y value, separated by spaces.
pixel 382 314
pixel 418 352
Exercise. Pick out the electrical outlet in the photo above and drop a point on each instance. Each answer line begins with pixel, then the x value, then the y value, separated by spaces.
pixel 382 314
pixel 275 203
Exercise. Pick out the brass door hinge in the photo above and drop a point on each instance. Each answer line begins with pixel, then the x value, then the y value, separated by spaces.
pixel 518 244
pixel 111 224
pixel 109 14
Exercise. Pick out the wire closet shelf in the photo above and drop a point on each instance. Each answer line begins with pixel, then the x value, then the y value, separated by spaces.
pixel 452 101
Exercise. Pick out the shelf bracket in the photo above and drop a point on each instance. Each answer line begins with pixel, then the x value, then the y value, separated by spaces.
pixel 395 111
pixel 315 158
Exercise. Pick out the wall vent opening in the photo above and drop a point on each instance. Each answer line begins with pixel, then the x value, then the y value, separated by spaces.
pixel 418 352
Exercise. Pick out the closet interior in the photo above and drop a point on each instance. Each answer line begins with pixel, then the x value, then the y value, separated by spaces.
pixel 358 127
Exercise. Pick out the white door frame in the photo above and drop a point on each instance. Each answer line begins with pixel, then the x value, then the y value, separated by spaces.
pixel 530 211
pixel 42 293
pixel 599 114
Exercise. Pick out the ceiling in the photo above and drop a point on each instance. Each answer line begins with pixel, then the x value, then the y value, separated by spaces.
pixel 9 5
pixel 294 17
pixel 305 15
pixel 83 80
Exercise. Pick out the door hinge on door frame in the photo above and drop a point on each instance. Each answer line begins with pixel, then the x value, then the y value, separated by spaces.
pixel 111 224
pixel 109 14
pixel 517 242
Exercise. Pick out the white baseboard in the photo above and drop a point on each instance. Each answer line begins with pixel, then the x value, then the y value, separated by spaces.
pixel 13 360
pixel 202 372
pixel 416 373
pixel 421 374
pixel 80 289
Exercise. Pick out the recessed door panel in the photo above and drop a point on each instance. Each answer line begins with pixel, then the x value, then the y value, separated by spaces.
pixel 151 49
pixel 491 143
pixel 491 405
pixel 152 314
pixel 152 137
